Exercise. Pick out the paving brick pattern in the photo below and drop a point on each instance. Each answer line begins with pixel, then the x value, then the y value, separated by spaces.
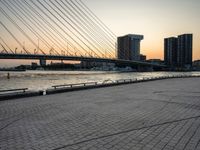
pixel 158 115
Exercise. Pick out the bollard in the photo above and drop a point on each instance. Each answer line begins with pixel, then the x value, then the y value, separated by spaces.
pixel 42 92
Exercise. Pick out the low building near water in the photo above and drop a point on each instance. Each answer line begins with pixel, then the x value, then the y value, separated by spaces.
pixel 196 65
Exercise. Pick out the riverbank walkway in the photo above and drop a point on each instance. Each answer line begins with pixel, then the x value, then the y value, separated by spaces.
pixel 158 115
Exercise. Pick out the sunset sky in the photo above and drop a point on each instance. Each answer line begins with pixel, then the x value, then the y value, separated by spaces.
pixel 155 19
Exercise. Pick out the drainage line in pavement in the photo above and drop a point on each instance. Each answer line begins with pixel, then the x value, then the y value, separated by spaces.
pixel 126 131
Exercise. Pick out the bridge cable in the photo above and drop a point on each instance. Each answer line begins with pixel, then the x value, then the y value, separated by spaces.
pixel 79 31
pixel 20 29
pixel 80 28
pixel 64 31
pixel 68 24
pixel 14 37
pixel 19 16
pixel 96 18
pixel 99 31
pixel 39 24
pixel 88 23
pixel 4 49
pixel 16 14
pixel 80 21
pixel 98 22
pixel 94 23
pixel 7 45
pixel 49 25
pixel 65 25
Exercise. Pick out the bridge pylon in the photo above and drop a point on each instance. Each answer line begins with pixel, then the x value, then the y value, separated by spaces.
pixel 43 62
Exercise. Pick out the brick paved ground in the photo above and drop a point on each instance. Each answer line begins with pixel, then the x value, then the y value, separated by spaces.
pixel 158 115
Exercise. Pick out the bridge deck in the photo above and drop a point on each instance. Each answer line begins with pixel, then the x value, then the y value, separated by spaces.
pixel 75 58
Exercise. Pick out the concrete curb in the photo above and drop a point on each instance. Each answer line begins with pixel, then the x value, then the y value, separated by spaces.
pixel 17 95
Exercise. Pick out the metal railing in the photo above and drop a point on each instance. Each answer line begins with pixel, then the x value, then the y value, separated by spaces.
pixel 125 80
pixel 10 91
pixel 75 85
pixel 120 81
pixel 13 90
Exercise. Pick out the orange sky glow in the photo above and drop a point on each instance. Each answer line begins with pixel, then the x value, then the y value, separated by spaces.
pixel 155 19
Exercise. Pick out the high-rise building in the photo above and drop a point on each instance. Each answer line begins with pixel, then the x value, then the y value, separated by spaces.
pixel 178 51
pixel 129 47
pixel 170 49
pixel 184 53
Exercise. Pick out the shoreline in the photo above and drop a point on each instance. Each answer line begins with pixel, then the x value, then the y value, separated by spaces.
pixel 81 86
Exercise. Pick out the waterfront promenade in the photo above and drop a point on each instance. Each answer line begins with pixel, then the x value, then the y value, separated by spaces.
pixel 158 115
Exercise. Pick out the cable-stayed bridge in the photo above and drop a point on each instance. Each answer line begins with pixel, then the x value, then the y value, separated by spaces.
pixel 55 30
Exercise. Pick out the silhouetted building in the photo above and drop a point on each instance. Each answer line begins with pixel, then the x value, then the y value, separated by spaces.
pixel 143 57
pixel 196 65
pixel 178 51
pixel 129 47
pixel 184 53
pixel 156 61
pixel 170 51
pixel 97 65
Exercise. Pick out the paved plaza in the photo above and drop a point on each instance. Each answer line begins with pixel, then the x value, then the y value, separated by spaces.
pixel 157 115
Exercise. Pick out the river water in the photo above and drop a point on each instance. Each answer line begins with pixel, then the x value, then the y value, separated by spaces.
pixel 42 80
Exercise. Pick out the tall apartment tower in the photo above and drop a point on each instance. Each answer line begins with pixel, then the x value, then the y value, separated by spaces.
pixel 129 47
pixel 184 53
pixel 178 51
pixel 170 49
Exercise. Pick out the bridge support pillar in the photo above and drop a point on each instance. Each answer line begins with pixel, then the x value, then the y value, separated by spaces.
pixel 43 62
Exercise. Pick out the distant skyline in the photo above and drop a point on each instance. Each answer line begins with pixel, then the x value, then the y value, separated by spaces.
pixel 155 19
